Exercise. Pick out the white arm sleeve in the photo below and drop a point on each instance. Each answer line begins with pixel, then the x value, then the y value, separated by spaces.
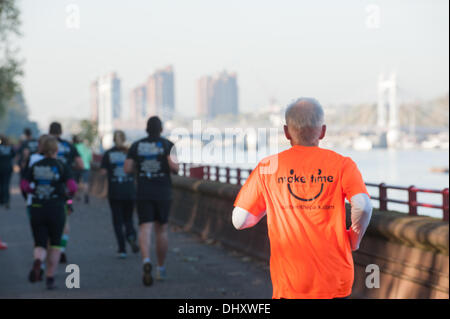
pixel 361 212
pixel 243 219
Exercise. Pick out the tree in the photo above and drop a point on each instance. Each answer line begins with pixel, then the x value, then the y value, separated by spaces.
pixel 10 66
pixel 88 132
pixel 15 119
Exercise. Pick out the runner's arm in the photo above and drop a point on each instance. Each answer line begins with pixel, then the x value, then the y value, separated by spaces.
pixel 25 156
pixel 79 163
pixel 361 212
pixel 174 167
pixel 104 164
pixel 128 166
pixel 172 158
pixel 242 219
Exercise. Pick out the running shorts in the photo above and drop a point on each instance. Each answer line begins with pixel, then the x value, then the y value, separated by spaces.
pixel 47 223
pixel 153 210
pixel 82 176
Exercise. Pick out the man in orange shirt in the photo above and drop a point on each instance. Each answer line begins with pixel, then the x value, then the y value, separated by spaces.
pixel 303 190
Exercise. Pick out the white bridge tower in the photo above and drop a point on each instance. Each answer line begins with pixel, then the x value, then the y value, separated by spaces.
pixel 387 110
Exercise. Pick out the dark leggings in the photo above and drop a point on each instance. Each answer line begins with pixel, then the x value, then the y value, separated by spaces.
pixel 122 215
pixel 47 224
pixel 5 180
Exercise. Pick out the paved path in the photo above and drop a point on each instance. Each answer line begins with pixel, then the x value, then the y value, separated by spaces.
pixel 196 269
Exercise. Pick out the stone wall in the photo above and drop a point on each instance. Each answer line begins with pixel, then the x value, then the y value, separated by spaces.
pixel 411 252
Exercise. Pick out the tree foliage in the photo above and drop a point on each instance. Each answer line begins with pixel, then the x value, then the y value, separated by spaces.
pixel 15 119
pixel 88 132
pixel 10 66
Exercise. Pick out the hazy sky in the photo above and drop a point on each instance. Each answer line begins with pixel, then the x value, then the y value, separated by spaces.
pixel 331 50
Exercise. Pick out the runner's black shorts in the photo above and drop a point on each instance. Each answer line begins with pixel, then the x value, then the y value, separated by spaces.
pixel 82 176
pixel 47 223
pixel 153 210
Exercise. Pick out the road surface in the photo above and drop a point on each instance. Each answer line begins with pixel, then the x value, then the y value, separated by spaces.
pixel 196 269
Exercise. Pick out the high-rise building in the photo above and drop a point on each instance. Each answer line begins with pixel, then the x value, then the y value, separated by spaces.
pixel 94 101
pixel 204 96
pixel 225 98
pixel 217 95
pixel 138 104
pixel 160 94
pixel 106 105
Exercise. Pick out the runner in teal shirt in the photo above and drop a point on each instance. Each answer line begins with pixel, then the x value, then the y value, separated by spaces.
pixel 82 176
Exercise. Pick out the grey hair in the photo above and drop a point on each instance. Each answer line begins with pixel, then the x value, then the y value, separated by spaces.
pixel 304 118
pixel 304 112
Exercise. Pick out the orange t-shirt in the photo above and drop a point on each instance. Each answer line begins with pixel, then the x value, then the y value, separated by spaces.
pixel 303 190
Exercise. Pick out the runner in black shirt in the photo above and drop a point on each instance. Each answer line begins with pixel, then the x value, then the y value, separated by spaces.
pixel 28 147
pixel 69 156
pixel 47 180
pixel 7 155
pixel 150 159
pixel 121 193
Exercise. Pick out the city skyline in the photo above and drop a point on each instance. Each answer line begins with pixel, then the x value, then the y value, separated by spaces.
pixel 217 95
pixel 155 96
pixel 327 50
pixel 106 104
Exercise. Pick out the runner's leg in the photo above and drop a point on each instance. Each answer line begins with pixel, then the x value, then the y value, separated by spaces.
pixel 85 181
pixel 162 242
pixel 3 188
pixel 162 236
pixel 54 255
pixel 40 236
pixel 145 234
pixel 117 219
pixel 56 224
pixel 128 207
pixel 146 214
pixel 7 190
pixel 65 237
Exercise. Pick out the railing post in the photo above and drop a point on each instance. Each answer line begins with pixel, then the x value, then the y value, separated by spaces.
pixel 445 203
pixel 217 173
pixel 208 172
pixel 227 175
pixel 412 200
pixel 383 196
pixel 238 176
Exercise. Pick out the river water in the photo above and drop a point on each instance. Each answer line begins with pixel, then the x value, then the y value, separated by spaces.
pixel 393 167
pixel 404 168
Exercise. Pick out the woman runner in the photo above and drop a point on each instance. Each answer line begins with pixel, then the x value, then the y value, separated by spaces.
pixel 121 193
pixel 47 180
pixel 7 155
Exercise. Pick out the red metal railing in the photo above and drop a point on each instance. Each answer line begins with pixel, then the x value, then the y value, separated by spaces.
pixel 216 173
pixel 238 176
pixel 412 202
